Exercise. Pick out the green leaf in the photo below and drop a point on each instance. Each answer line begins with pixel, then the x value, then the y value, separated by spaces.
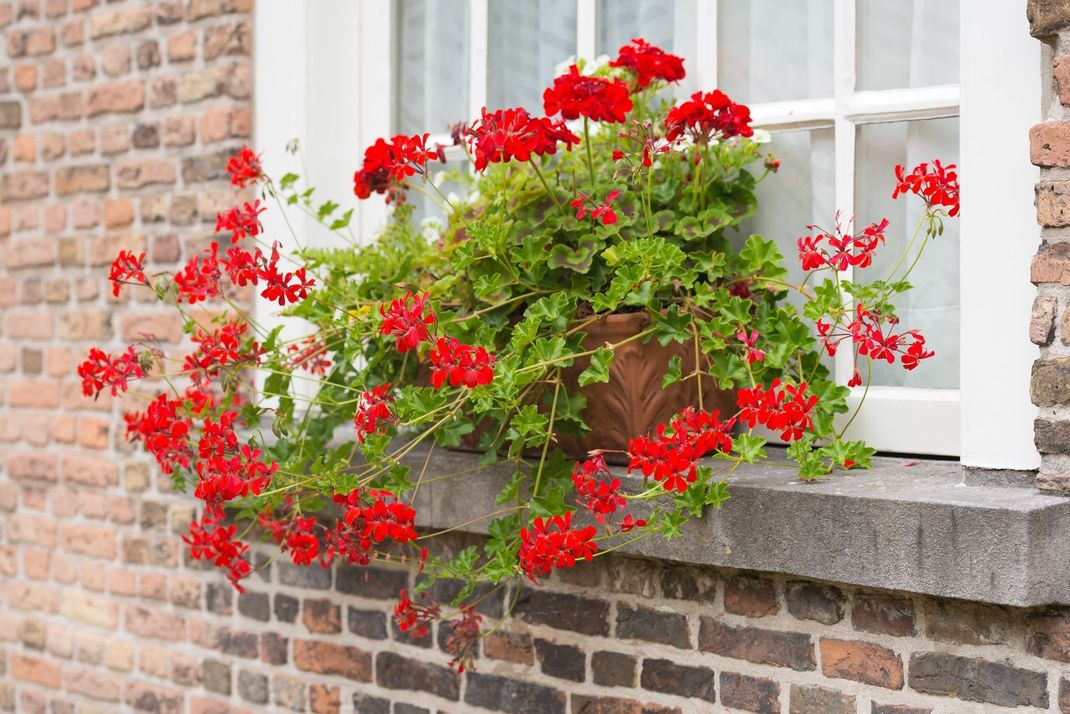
pixel 288 180
pixel 672 372
pixel 673 326
pixel 598 371
pixel 578 259
pixel 339 223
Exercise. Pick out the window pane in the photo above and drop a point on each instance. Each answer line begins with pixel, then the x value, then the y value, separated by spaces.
pixel 775 50
pixel 802 192
pixel 907 43
pixel 653 20
pixel 933 305
pixel 432 77
pixel 528 39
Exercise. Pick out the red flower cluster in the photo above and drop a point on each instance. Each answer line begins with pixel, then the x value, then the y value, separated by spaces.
pixel 298 536
pixel 283 287
pixel 241 222
pixel 226 469
pixel 507 134
pixel 872 333
pixel 554 543
pixel 844 250
pixel 126 268
pixel 599 211
pixel 244 168
pixel 786 409
pixel 101 370
pixel 199 279
pixel 310 354
pixel 363 526
pixel 576 95
pixel 460 364
pixel 209 539
pixel 463 637
pixel 706 115
pixel 407 319
pixel 223 347
pixel 649 63
pixel 164 432
pixel 938 185
pixel 373 408
pixel 598 496
pixel 414 616
pixel 670 454
pixel 387 164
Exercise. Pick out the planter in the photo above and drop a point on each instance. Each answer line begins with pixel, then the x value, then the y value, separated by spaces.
pixel 633 401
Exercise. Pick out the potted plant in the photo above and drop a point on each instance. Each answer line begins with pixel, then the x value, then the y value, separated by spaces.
pixel 584 301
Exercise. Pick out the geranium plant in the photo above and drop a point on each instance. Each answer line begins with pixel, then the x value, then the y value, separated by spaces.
pixel 473 330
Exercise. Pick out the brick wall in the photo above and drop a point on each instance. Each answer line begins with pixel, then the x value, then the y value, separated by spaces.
pixel 115 120
pixel 1049 326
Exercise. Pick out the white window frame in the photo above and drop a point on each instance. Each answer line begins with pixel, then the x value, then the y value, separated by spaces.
pixel 988 421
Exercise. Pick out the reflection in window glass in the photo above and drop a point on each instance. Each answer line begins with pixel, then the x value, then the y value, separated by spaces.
pixel 775 50
pixel 802 192
pixel 907 43
pixel 933 305
pixel 432 76
pixel 528 39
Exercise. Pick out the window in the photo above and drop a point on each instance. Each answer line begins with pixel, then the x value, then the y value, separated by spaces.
pixel 848 88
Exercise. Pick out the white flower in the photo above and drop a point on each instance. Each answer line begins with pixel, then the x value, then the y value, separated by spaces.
pixel 761 136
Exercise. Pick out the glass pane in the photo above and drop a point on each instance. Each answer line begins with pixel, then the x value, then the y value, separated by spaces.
pixel 775 50
pixel 528 39
pixel 933 305
pixel 432 77
pixel 667 24
pixel 802 192
pixel 907 43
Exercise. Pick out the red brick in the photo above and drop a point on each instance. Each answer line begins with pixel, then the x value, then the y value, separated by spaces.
pixel 29 253
pixel 1049 144
pixel 117 98
pixel 1061 71
pixel 93 684
pixel 149 698
pixel 93 541
pixel 324 699
pixel 198 9
pixel 35 394
pixel 89 471
pixel 322 616
pixel 330 658
pixel 78 179
pixel 119 22
pixel 138 174
pixel 23 185
pixel 862 662
pixel 118 213
pixel 33 466
pixel 227 39
pixel 28 325
pixel 165 326
pixel 34 670
pixel 153 624
pixel 182 47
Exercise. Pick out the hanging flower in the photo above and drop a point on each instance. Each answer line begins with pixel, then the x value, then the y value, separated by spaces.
pixel 244 168
pixel 373 408
pixel 408 320
pixel 460 364
pixel 102 371
pixel 554 543
pixel 938 185
pixel 126 268
pixel 241 222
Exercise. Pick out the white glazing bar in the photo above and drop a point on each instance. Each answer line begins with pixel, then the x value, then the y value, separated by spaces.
pixel 843 81
pixel 375 72
pixel 913 421
pixel 705 63
pixel 586 28
pixel 478 13
pixel 902 104
pixel 796 114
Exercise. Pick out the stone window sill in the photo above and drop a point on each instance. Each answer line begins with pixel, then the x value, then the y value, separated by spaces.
pixel 927 527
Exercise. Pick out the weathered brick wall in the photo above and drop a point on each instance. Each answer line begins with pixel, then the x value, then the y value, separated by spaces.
pixel 115 119
pixel 1049 326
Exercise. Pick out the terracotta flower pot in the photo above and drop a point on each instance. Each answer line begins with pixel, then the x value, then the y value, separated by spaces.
pixel 632 402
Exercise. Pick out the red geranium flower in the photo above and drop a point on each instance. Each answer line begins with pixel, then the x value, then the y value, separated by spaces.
pixel 708 115
pixel 284 287
pixel 600 497
pixel 388 163
pixel 373 408
pixel 164 432
pixel 938 186
pixel 554 543
pixel 244 167
pixel 507 134
pixel 208 539
pixel 241 222
pixel 460 364
pixel 576 95
pixel 408 323
pixel 649 63
pixel 127 268
pixel 599 211
pixel 414 616
pixel 199 279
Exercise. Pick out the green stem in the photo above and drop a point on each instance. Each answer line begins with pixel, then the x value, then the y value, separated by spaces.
pixel 869 380
pixel 587 144
pixel 553 196
pixel 549 436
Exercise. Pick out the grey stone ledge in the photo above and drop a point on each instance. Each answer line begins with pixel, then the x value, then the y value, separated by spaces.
pixel 925 527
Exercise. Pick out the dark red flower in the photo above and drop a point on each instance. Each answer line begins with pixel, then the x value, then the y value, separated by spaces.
pixel 241 222
pixel 221 348
pixel 373 408
pixel 387 164
pixel 126 268
pixel 938 185
pixel 708 115
pixel 460 364
pixel 507 134
pixel 310 354
pixel 413 616
pixel 407 319
pixel 553 543
pixel 576 95
pixel 164 431
pixel 244 167
pixel 209 539
pixel 463 638
pixel 199 279
pixel 649 63
pixel 102 371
